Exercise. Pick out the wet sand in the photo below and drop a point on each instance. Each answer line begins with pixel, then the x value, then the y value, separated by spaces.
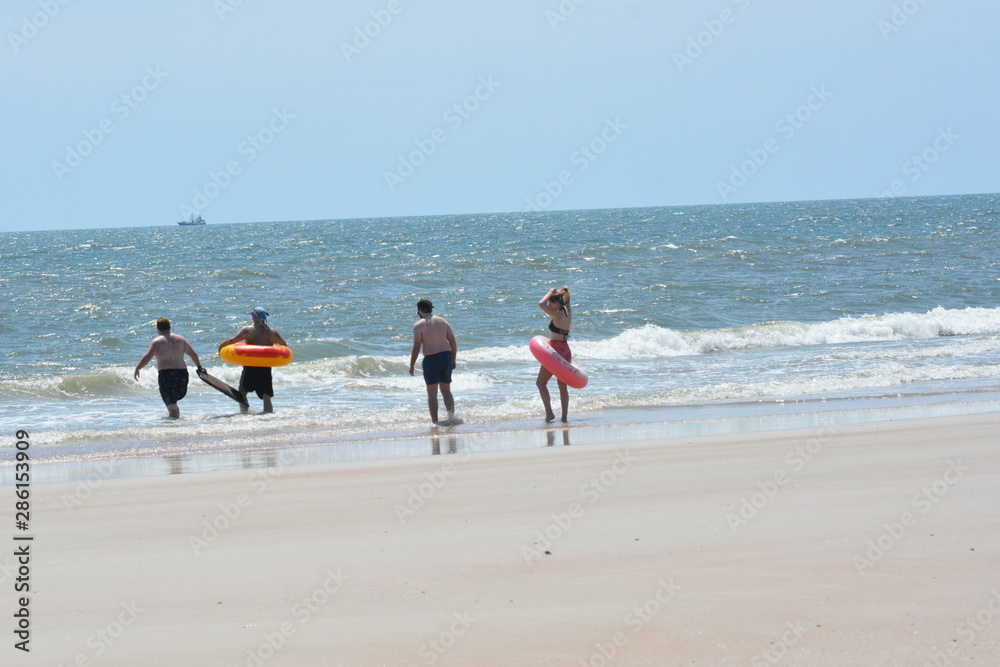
pixel 874 543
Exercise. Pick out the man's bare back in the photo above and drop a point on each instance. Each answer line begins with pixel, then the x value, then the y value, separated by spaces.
pixel 433 334
pixel 169 351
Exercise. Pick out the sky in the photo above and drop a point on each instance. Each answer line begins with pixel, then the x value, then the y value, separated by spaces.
pixel 144 112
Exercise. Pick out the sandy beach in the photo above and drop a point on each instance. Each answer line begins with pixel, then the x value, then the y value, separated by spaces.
pixel 866 544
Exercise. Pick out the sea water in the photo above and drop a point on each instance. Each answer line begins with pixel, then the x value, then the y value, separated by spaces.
pixel 696 310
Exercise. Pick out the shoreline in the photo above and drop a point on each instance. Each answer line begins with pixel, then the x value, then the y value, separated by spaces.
pixel 611 426
pixel 865 543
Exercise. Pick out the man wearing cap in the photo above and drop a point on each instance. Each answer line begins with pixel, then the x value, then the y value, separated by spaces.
pixel 255 379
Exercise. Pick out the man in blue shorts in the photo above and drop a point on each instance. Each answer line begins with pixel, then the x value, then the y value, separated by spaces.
pixel 433 334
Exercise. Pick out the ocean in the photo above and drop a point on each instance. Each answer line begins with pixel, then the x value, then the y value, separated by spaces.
pixel 682 315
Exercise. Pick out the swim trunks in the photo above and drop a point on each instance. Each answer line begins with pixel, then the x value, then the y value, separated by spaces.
pixel 562 348
pixel 257 380
pixel 437 368
pixel 173 384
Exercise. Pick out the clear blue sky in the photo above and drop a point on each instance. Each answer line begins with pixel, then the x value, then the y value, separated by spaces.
pixel 131 113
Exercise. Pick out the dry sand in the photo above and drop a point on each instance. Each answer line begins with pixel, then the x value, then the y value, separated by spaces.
pixel 871 544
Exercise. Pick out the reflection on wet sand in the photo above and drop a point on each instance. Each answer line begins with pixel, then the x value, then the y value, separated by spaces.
pixel 322 450
pixel 267 458
pixel 550 436
pixel 436 444
pixel 175 463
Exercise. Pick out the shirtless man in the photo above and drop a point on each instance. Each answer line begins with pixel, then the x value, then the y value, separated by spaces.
pixel 169 350
pixel 257 379
pixel 434 335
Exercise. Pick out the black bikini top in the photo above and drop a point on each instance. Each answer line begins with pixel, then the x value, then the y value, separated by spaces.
pixel 556 330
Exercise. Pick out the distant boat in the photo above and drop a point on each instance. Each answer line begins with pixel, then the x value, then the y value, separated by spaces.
pixel 192 221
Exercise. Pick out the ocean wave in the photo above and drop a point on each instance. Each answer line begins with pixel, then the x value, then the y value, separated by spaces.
pixel 116 382
pixel 655 342
pixel 652 341
pixel 109 382
pixel 479 365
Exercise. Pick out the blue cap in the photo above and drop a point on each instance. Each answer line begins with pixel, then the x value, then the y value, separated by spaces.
pixel 259 313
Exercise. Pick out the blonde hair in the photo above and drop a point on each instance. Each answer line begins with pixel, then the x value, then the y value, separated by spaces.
pixel 563 296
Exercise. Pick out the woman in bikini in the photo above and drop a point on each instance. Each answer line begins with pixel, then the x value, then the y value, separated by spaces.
pixel 556 304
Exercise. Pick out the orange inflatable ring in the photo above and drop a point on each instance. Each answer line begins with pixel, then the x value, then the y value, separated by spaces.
pixel 241 354
pixel 566 371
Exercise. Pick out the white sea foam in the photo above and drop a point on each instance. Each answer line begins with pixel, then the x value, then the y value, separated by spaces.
pixel 654 342
pixel 881 376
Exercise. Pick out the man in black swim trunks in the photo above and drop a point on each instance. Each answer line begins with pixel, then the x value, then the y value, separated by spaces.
pixel 169 350
pixel 434 335
pixel 255 379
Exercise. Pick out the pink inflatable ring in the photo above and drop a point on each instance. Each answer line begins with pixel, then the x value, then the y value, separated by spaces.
pixel 564 370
